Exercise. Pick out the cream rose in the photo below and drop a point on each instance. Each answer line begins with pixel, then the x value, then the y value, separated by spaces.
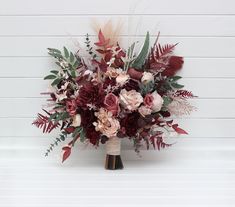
pixel 147 77
pixel 157 102
pixel 130 99
pixel 106 124
pixel 122 78
pixel 76 120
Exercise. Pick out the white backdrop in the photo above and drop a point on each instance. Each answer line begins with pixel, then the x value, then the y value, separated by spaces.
pixel 198 170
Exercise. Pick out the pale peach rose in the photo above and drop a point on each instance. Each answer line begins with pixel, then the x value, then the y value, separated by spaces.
pixel 157 102
pixel 122 78
pixel 106 123
pixel 76 120
pixel 111 72
pixel 131 100
pixel 147 77
pixel 144 111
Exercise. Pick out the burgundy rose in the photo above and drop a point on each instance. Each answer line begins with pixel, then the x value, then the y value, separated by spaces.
pixel 90 94
pixel 71 107
pixel 135 74
pixel 111 103
pixel 148 100
pixel 129 124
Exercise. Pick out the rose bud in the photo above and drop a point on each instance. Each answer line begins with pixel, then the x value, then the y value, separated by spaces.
pixel 147 77
pixel 135 74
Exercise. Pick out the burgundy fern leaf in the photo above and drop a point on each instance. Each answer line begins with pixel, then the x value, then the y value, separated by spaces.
pixel 184 94
pixel 157 141
pixel 44 123
pixel 161 51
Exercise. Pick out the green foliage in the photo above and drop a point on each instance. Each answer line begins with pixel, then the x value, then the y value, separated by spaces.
pixel 56 142
pixel 79 131
pixel 67 61
pixel 147 88
pixel 59 116
pixel 89 48
pixel 140 59
pixel 49 77
pixel 167 100
pixel 129 55
pixel 171 83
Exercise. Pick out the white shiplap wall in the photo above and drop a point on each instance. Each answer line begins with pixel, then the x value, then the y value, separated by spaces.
pixel 197 171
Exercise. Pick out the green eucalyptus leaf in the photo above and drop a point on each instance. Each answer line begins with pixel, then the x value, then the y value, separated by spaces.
pixel 176 85
pixel 71 57
pixel 175 78
pixel 49 77
pixel 82 136
pixel 66 52
pixel 56 82
pixel 54 72
pixel 167 100
pixel 53 50
pixel 73 73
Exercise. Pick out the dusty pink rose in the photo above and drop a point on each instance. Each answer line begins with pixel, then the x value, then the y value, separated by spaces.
pixel 71 107
pixel 148 100
pixel 111 103
pixel 157 102
pixel 131 100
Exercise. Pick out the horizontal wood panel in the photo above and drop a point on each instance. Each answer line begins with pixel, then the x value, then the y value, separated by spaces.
pixel 188 47
pixel 204 88
pixel 195 127
pixel 40 66
pixel 29 107
pixel 181 143
pixel 79 25
pixel 26 7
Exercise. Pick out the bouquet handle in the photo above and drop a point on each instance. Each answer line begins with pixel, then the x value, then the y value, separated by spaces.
pixel 113 157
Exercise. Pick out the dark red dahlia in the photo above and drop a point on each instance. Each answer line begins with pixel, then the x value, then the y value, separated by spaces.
pixel 93 135
pixel 130 124
pixel 87 117
pixel 91 94
pixel 109 82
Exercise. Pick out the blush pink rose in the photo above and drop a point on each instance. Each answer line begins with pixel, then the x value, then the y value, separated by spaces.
pixel 148 100
pixel 111 103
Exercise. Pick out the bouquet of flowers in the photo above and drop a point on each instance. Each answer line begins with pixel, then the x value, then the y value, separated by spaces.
pixel 113 93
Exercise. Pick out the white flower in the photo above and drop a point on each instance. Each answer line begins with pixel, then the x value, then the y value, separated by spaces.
pixel 130 99
pixel 76 120
pixel 60 97
pixel 157 102
pixel 147 77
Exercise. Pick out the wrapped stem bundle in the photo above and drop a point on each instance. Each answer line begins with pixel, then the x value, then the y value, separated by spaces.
pixel 113 157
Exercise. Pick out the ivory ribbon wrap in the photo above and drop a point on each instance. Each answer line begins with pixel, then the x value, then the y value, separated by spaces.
pixel 113 146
